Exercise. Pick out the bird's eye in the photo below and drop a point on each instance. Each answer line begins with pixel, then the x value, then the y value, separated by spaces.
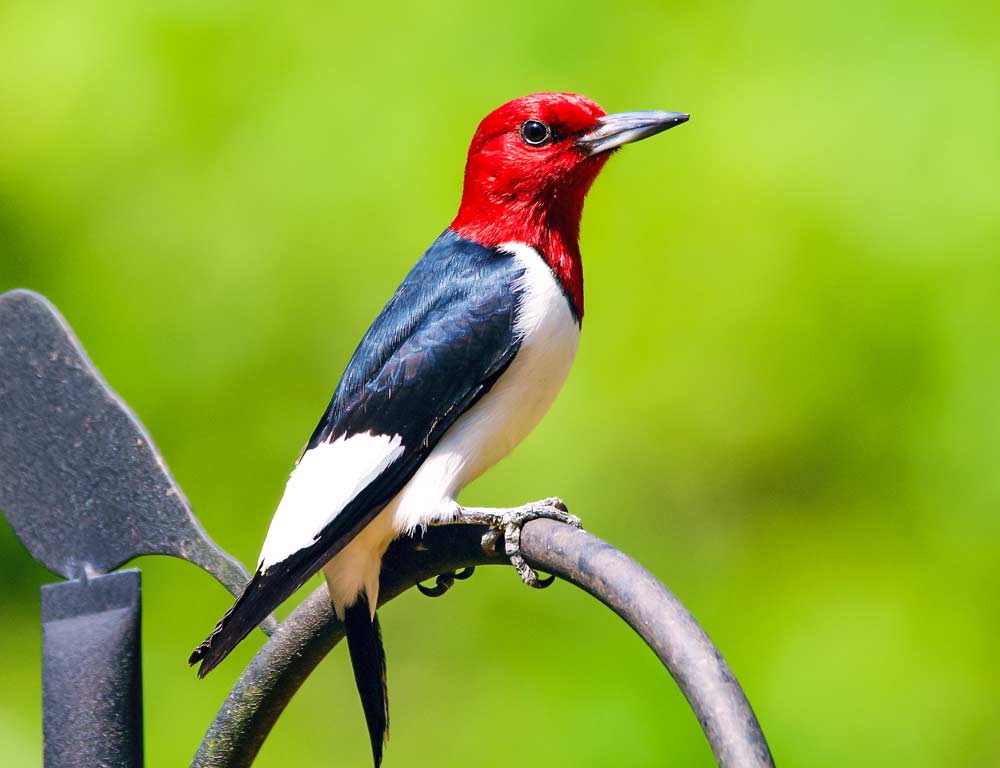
pixel 535 133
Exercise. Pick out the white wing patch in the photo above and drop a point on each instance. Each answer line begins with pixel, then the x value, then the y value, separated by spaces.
pixel 325 480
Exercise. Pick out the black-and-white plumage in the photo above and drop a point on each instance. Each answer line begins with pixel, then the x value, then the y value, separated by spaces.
pixel 457 369
pixel 460 365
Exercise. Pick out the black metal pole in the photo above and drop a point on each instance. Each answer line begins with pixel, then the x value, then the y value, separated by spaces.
pixel 92 673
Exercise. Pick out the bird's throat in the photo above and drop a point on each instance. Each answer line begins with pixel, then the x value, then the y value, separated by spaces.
pixel 551 227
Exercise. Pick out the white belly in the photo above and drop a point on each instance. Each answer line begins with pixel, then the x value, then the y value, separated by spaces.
pixel 479 438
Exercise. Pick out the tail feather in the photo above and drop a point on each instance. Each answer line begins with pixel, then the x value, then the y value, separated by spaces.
pixel 238 622
pixel 263 593
pixel 364 641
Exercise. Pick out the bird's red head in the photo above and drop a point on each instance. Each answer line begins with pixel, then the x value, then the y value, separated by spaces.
pixel 530 166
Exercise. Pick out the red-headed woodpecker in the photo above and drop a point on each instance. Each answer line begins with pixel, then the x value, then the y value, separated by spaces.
pixel 456 370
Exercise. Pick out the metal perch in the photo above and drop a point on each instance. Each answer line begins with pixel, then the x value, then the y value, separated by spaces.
pixel 297 646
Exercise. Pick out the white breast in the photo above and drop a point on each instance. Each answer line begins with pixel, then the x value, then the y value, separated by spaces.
pixel 481 437
pixel 511 409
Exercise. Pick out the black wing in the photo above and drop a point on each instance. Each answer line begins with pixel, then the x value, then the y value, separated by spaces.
pixel 439 345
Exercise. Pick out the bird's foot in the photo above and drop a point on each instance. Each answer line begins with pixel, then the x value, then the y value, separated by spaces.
pixel 445 581
pixel 508 523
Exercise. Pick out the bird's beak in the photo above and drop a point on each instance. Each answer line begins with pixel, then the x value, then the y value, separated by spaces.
pixel 612 131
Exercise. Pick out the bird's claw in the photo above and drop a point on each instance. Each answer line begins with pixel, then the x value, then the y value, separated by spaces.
pixel 508 523
pixel 445 581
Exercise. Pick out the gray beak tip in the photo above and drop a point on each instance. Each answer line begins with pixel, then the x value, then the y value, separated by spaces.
pixel 613 131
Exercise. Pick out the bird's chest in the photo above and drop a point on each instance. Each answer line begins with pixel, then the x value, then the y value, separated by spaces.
pixel 549 335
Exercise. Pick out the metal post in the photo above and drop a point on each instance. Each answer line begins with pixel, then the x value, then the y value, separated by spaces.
pixel 86 491
pixel 92 673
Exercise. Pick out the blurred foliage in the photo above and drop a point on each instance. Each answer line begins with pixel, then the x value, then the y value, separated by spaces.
pixel 785 401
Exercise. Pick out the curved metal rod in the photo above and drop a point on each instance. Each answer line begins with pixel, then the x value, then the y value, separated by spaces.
pixel 310 632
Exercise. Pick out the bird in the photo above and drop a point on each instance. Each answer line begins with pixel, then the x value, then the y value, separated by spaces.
pixel 456 370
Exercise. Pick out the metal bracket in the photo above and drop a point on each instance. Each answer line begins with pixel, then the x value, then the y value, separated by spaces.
pixel 81 481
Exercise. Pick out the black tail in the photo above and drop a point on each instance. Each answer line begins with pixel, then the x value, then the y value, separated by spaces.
pixel 364 641
pixel 262 594
pixel 239 621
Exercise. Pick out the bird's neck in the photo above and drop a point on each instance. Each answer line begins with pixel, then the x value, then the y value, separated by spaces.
pixel 551 227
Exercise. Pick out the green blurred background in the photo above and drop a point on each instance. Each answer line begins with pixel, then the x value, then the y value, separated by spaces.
pixel 785 401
